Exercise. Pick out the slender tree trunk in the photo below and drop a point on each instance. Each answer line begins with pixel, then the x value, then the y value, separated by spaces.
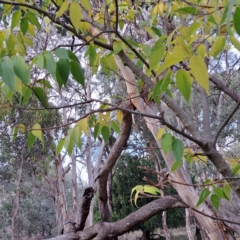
pixel 61 188
pixel 74 189
pixel 188 224
pixel 16 199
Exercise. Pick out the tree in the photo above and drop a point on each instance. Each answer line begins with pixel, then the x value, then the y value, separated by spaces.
pixel 163 52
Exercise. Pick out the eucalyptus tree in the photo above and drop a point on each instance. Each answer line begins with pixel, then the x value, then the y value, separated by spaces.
pixel 159 50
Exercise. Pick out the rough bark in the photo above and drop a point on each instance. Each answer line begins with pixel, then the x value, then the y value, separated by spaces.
pixel 106 230
pixel 109 163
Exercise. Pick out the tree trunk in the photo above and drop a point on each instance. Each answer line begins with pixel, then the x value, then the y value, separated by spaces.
pixel 188 225
pixel 75 209
pixel 187 193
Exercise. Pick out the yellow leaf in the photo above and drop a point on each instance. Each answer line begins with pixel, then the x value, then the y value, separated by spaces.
pixel 151 189
pixel 119 116
pixel 62 9
pixel 21 128
pixel 217 46
pixel 37 132
pixel 47 20
pixel 84 26
pixel 83 125
pixel 161 8
pixel 18 85
pixel 235 42
pixel 200 158
pixel 31 29
pixel 199 71
pixel 88 38
pixel 201 50
pixel 160 133
pixel 175 57
pixel 86 5
pixel 184 31
pixel 138 189
pixel 179 40
pixel 75 14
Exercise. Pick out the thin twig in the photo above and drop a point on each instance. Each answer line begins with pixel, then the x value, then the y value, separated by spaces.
pixel 226 122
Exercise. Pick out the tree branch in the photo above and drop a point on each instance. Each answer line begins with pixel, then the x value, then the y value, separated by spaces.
pixel 220 85
pixel 226 122
pixel 110 162
pixel 105 230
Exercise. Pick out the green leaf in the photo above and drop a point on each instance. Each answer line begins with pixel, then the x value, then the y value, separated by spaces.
pixel 33 19
pixel 68 144
pixel 45 83
pixel 40 61
pixel 199 71
pixel 151 189
pixel 24 25
pixel 26 95
pixel 184 83
pixel 177 148
pixel 105 133
pixel 37 132
pixel 215 200
pixel 75 14
pixel 77 72
pixel 61 53
pixel 72 56
pixel 62 9
pixel 229 12
pixel 21 69
pixel 49 63
pixel 7 73
pixel 115 126
pixel 156 55
pixel 167 140
pixel 92 54
pixel 236 20
pixel 62 72
pixel 227 191
pixel 11 42
pixel 156 31
pixel 187 10
pixel 60 146
pixel 147 49
pixel 14 133
pixel 39 92
pixel 76 136
pixel 219 192
pixel 97 131
pixel 131 42
pixel 118 46
pixel 204 194
pixel 2 37
pixel 217 46
pixel 31 140
pixel 15 19
pixel 236 169
pixel 175 166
